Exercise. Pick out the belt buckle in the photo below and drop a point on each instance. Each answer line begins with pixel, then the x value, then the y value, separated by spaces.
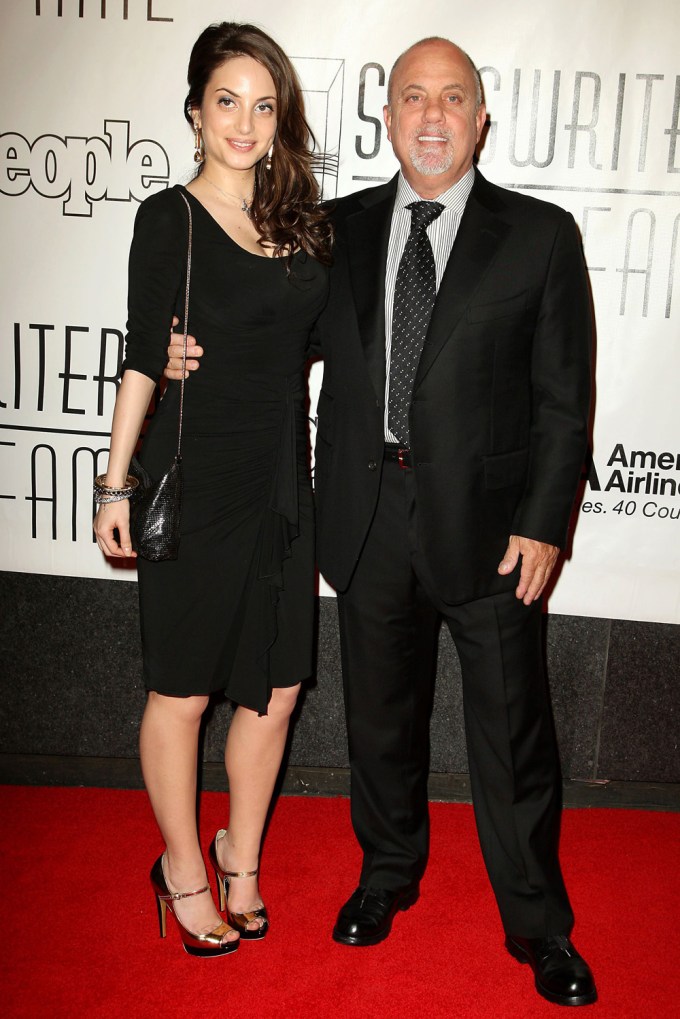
pixel 400 458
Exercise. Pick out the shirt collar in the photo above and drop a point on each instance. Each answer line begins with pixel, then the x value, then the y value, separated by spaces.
pixel 453 200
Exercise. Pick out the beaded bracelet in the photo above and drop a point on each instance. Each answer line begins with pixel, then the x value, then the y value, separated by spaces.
pixel 105 494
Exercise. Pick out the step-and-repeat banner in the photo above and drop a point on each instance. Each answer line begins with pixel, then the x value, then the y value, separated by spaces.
pixel 584 107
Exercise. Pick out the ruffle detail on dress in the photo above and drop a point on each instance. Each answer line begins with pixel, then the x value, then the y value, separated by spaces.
pixel 280 527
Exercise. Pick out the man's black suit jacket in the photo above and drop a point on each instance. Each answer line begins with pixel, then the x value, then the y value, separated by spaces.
pixel 500 405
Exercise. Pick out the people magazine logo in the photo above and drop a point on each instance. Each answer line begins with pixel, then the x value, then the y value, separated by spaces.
pixel 78 171
pixel 641 483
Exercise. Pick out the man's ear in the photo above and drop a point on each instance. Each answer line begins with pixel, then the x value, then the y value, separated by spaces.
pixel 387 117
pixel 480 117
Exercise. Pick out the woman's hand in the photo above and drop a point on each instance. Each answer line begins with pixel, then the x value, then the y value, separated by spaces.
pixel 133 397
pixel 113 516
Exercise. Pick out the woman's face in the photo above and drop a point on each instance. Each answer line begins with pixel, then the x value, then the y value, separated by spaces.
pixel 238 114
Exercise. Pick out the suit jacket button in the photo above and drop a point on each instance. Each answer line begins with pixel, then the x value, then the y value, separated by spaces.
pixel 372 465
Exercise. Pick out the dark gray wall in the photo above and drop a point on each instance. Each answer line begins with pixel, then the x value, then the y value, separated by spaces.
pixel 71 683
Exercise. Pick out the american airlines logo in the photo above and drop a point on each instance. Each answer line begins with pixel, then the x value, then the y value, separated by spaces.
pixel 633 475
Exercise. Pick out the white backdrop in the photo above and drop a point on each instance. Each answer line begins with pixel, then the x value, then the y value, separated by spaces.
pixel 584 101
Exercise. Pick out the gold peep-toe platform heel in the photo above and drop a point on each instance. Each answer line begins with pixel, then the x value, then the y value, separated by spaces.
pixel 206 945
pixel 239 921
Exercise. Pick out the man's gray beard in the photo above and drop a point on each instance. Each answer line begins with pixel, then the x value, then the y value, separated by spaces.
pixel 428 166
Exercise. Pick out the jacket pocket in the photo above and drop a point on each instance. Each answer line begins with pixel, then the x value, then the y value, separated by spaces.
pixel 499 309
pixel 506 469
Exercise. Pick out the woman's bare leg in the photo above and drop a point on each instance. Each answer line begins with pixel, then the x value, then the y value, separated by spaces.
pixel 169 752
pixel 253 754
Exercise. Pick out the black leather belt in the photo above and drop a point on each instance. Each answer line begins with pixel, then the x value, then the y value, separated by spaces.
pixel 395 452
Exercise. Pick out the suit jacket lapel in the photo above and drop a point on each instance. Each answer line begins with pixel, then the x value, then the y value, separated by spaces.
pixel 480 233
pixel 368 237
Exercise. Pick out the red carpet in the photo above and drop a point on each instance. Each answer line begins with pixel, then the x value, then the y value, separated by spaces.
pixel 81 939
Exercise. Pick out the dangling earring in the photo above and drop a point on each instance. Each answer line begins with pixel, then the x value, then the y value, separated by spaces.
pixel 199 154
pixel 268 164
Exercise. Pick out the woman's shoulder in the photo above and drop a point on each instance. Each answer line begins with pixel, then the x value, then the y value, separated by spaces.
pixel 164 207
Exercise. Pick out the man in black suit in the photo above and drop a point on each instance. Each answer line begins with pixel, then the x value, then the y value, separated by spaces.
pixel 451 430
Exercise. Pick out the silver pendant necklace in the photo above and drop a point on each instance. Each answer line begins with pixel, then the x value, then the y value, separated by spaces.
pixel 245 206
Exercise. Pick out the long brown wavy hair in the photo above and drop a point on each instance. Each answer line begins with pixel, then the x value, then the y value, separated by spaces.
pixel 286 201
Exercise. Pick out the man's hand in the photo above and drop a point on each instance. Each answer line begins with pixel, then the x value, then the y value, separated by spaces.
pixel 538 560
pixel 173 369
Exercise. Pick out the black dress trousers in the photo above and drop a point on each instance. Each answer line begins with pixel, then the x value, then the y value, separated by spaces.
pixel 389 617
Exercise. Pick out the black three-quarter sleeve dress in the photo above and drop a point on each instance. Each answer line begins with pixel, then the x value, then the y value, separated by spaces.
pixel 234 612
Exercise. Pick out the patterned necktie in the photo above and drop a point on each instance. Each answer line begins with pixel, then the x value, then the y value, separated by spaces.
pixel 414 294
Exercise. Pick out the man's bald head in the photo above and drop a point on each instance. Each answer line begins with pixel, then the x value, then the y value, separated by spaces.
pixel 436 39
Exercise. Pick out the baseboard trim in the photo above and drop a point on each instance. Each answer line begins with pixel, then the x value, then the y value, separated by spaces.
pixel 125 773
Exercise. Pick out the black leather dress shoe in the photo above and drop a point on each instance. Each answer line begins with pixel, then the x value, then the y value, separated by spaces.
pixel 366 918
pixel 562 975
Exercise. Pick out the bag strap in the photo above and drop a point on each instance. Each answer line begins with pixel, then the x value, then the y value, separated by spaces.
pixel 186 330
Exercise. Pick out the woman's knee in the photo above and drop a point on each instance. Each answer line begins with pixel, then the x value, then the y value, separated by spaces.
pixel 283 701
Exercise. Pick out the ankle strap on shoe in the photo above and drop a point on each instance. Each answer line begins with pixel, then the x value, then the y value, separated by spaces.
pixel 241 873
pixel 184 895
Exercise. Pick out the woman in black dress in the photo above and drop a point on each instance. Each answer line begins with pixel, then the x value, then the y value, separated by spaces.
pixel 234 611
